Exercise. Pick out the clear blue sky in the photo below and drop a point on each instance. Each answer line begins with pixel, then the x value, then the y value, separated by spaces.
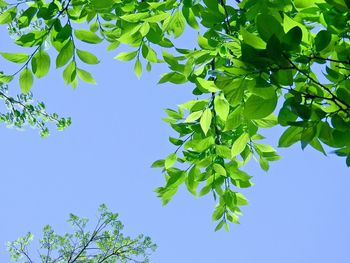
pixel 298 211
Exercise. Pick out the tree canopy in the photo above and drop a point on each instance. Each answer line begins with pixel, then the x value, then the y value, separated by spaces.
pixel 104 243
pixel 255 65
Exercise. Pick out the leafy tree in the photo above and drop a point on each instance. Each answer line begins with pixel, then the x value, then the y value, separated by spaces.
pixel 105 243
pixel 256 64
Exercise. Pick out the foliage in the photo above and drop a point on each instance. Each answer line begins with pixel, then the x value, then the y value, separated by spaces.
pixel 256 64
pixel 105 243
pixel 22 111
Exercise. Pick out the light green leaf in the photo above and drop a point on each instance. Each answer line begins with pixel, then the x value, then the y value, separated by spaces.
pixel 175 24
pixel 126 56
pixel 170 160
pixel 239 144
pixel 87 57
pixel 221 107
pixel 252 40
pixel 223 151
pixel 219 169
pixel 190 17
pixel 85 76
pixel 26 80
pixel 257 107
pixel 3 3
pixel 207 85
pixel 87 36
pixel 8 15
pixel 264 147
pixel 173 77
pixel 194 116
pixel 5 78
pixel 205 120
pixel 70 73
pixel 113 45
pixel 157 18
pixel 135 17
pixel 138 68
pixel 191 180
pixel 40 64
pixel 15 57
pixel 158 164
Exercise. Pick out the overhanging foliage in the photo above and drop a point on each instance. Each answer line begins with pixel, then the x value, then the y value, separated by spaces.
pixel 252 55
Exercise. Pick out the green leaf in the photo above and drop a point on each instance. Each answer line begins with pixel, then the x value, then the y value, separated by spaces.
pixel 87 57
pixel 26 17
pixel 173 77
pixel 267 122
pixel 267 26
pixel 15 57
pixel 218 212
pixel 5 79
pixel 207 85
pixel 219 169
pixel 113 45
pixel 157 18
pixel 133 18
pixel 191 180
pixel 239 144
pixel 170 160
pixel 126 56
pixel 190 17
pixel 175 24
pixel 85 76
pixel 322 40
pixel 3 3
pixel 87 36
pixel 102 5
pixel 65 54
pixel 205 120
pixel 252 40
pixel 26 80
pixel 158 164
pixel 221 107
pixel 40 63
pixel 220 225
pixel 293 38
pixel 264 164
pixel 175 141
pixel 8 16
pixel 138 68
pixel 70 73
pixel 223 151
pixel 290 136
pixel 194 116
pixel 257 107
pixel 149 54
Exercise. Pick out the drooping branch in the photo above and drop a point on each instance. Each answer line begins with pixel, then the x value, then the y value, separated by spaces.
pixel 338 101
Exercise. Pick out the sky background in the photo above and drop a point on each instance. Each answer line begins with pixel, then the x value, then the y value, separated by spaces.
pixel 298 211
